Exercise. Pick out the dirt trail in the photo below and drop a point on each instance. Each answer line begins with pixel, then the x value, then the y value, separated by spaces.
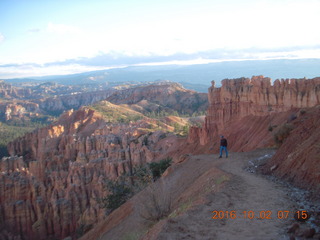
pixel 211 184
pixel 244 192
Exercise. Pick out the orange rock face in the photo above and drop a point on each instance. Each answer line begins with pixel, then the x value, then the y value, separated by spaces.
pixel 53 190
pixel 17 109
pixel 250 111
pixel 298 158
pixel 62 103
pixel 8 91
pixel 172 95
pixel 255 99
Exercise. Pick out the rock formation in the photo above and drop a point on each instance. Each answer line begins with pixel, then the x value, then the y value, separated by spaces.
pixel 44 99
pixel 57 105
pixel 51 185
pixel 53 190
pixel 17 109
pixel 257 101
pixel 250 112
pixel 298 158
pixel 167 94
pixel 171 95
pixel 8 91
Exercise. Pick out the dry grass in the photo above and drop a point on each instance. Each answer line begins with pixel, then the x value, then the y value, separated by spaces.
pixel 157 204
pixel 181 209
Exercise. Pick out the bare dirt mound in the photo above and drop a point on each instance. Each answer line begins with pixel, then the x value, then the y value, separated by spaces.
pixel 300 151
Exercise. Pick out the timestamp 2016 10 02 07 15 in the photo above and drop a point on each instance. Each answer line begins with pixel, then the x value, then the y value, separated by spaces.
pixel 264 214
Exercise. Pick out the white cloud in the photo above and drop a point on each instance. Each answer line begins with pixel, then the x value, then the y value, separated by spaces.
pixel 1 38
pixel 62 28
pixel 29 70
pixel 261 24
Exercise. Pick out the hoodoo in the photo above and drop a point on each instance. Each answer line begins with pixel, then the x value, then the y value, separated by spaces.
pixel 254 101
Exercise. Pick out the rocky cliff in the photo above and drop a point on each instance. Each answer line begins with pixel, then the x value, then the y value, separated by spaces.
pixel 255 101
pixel 45 99
pixel 253 113
pixel 56 105
pixel 52 100
pixel 298 158
pixel 8 91
pixel 171 95
pixel 17 109
pixel 53 190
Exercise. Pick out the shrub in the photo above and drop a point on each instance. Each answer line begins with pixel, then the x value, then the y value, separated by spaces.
pixel 119 194
pixel 185 130
pixel 283 133
pixel 162 136
pixel 82 229
pixel 177 127
pixel 292 117
pixel 158 204
pixel 142 176
pixel 302 111
pixel 272 127
pixel 158 168
pixel 145 141
pixel 197 124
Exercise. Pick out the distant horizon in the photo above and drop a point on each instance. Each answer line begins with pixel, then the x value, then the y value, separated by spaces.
pixel 75 70
pixel 196 76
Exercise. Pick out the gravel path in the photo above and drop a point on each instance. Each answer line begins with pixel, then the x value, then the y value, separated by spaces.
pixel 254 201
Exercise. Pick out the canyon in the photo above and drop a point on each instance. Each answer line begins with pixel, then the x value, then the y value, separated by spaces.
pixel 171 95
pixel 56 186
pixel 44 99
pixel 53 99
pixel 54 177
pixel 64 166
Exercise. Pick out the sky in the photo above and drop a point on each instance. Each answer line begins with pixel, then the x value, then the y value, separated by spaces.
pixel 43 37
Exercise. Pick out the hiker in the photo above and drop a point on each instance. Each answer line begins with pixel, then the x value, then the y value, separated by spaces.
pixel 223 146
